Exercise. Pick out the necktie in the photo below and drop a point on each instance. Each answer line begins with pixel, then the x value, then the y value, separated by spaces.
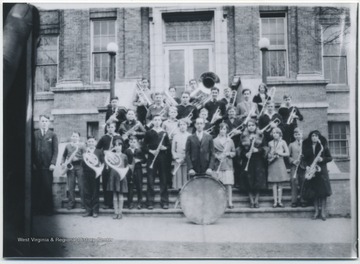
pixel 43 132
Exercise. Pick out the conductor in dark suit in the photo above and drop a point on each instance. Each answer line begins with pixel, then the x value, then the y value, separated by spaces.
pixel 200 151
pixel 46 151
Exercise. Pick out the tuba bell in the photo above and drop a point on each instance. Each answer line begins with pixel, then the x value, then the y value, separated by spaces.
pixel 93 162
pixel 209 79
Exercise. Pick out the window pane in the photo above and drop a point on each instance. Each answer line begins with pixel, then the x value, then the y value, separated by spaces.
pixel 45 78
pixel 111 28
pixel 104 28
pixel 97 43
pixel 276 62
pixel 201 62
pixel 188 31
pixel 176 68
pixel 96 28
pixel 280 26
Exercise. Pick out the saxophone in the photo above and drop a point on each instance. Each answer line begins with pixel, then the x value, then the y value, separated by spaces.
pixel 67 165
pixel 310 171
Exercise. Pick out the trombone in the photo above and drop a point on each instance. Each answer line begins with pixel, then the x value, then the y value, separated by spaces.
pixel 241 127
pixel 169 100
pixel 267 128
pixel 142 95
pixel 270 95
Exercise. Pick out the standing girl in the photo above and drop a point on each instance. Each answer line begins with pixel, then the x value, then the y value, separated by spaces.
pixel 115 184
pixel 253 161
pixel 317 153
pixel 178 154
pixel 277 173
pixel 224 152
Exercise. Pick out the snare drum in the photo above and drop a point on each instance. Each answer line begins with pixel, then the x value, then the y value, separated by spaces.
pixel 203 200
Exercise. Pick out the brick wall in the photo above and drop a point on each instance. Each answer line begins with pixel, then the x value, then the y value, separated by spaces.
pixel 309 50
pixel 247 54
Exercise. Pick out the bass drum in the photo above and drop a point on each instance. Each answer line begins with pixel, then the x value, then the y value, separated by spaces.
pixel 203 200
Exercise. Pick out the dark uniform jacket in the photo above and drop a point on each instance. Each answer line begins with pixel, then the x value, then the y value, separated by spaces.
pixel 46 149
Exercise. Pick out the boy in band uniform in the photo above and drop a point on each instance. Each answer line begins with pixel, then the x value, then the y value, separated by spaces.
pixel 135 159
pixel 151 143
pixel 76 173
pixel 91 184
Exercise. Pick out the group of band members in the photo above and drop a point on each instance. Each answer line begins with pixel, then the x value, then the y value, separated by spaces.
pixel 249 145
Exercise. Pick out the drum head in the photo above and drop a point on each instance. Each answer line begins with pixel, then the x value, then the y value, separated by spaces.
pixel 203 200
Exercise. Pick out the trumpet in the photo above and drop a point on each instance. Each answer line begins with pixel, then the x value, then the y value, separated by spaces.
pixel 157 151
pixel 114 161
pixel 310 171
pixel 292 116
pixel 216 116
pixel 131 130
pixel 268 128
pixel 67 165
pixel 169 100
pixel 92 161
pixel 210 129
pixel 270 95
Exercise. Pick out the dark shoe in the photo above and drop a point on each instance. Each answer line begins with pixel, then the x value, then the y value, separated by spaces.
pixel 95 215
pixel 120 216
pixel 280 205
pixel 131 206
pixel 252 205
pixel 87 215
pixel 303 205
pixel 293 205
pixel 106 207
pixel 165 206
pixel 256 205
pixel 150 207
pixel 231 207
pixel 115 216
pixel 275 205
pixel 70 207
pixel 323 217
pixel 139 206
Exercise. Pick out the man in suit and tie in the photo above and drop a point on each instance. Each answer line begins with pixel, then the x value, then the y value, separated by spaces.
pixel 200 151
pixel 46 151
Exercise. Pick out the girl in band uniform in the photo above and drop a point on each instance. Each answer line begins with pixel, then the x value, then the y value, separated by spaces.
pixel 253 162
pixel 178 153
pixel 224 152
pixel 277 173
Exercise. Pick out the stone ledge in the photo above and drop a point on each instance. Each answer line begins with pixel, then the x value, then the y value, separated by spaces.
pixel 44 96
pixel 295 82
pixel 73 111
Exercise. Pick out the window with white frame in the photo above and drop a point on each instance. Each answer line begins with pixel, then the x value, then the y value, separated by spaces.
pixel 334 53
pixel 273 27
pixel 46 63
pixel 103 32
pixel 339 139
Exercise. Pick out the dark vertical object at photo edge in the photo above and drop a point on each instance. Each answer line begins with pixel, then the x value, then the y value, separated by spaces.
pixel 17 136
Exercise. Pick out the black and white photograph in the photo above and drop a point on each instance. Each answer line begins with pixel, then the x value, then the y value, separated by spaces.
pixel 180 131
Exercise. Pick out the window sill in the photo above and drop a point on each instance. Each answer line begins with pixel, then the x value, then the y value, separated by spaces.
pixel 341 88
pixel 44 96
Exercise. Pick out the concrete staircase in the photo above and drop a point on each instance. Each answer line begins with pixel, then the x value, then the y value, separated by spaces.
pixel 240 201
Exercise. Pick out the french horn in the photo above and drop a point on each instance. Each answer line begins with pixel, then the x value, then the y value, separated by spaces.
pixel 114 161
pixel 93 162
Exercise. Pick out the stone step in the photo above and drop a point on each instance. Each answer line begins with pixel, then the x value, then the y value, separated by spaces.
pixel 240 201
pixel 237 212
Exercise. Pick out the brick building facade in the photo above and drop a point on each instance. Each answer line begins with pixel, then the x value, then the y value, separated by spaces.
pixel 170 45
